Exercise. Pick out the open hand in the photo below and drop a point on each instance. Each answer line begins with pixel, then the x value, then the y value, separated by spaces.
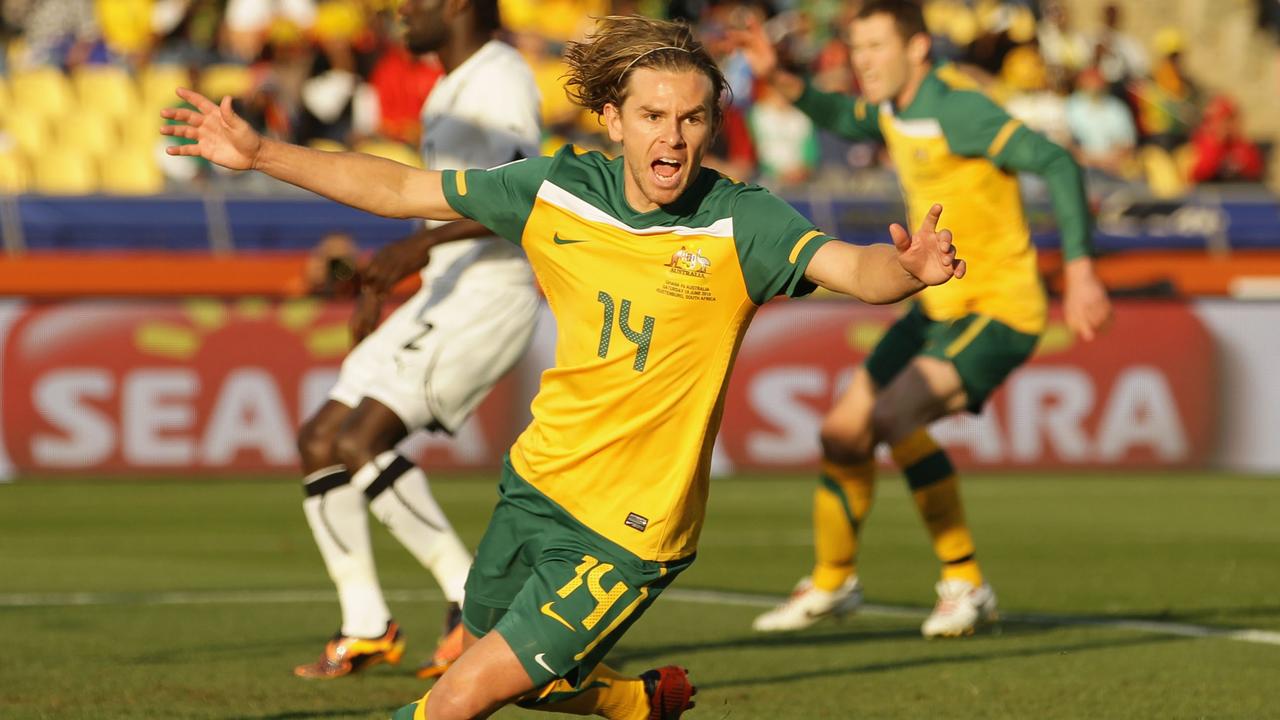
pixel 756 47
pixel 221 136
pixel 928 254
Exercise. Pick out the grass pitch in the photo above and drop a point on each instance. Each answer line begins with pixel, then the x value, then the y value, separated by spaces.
pixel 195 600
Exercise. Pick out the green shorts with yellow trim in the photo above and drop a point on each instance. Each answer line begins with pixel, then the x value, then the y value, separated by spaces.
pixel 559 593
pixel 983 350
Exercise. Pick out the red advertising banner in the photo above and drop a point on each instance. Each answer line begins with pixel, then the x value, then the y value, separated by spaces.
pixel 1142 395
pixel 167 386
pixel 216 386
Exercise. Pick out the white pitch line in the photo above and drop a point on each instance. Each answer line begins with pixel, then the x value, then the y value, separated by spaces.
pixel 686 595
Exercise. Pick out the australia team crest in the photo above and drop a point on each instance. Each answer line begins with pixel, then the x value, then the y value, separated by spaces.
pixel 690 263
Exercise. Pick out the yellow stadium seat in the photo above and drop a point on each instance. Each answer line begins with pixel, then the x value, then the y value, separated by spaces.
pixel 64 172
pixel 92 133
pixel 106 89
pixel 158 85
pixel 391 150
pixel 141 130
pixel 28 130
pixel 327 145
pixel 14 176
pixel 44 90
pixel 219 80
pixel 132 171
pixel 6 103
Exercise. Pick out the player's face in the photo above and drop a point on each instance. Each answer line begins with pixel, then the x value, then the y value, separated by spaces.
pixel 664 126
pixel 880 58
pixel 425 28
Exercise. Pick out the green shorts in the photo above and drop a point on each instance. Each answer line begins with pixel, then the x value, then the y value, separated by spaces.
pixel 983 350
pixel 560 594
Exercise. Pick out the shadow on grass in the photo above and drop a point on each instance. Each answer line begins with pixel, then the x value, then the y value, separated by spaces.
pixel 935 660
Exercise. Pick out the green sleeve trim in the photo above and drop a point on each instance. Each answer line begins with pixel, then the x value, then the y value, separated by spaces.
pixel 1028 151
pixel 849 117
pixel 799 286
pixel 500 198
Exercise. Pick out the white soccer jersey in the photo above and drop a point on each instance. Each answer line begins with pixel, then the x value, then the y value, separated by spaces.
pixel 436 357
pixel 483 114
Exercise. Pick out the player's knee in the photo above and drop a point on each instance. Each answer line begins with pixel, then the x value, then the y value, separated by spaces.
pixel 889 423
pixel 315 445
pixel 451 701
pixel 353 449
pixel 844 442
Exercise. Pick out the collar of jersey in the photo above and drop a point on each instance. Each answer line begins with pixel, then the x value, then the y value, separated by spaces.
pixel 678 213
pixel 925 103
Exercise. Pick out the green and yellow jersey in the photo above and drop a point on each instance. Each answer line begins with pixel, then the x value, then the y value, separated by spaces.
pixel 650 309
pixel 952 145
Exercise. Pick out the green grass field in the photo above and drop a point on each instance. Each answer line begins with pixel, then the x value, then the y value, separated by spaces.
pixel 195 600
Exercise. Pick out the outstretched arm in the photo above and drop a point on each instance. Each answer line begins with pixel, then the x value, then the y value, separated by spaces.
pixel 376 185
pixel 848 117
pixel 880 274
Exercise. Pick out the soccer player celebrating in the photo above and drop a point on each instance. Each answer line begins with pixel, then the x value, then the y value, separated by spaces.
pixel 435 357
pixel 953 348
pixel 653 267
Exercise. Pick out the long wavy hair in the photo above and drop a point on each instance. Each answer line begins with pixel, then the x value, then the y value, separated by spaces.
pixel 600 65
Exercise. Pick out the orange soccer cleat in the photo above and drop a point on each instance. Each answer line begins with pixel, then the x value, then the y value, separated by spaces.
pixel 346 655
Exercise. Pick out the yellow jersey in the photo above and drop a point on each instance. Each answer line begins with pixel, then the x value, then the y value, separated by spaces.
pixel 952 145
pixel 650 309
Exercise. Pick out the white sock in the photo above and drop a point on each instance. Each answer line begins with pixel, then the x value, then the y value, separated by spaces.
pixel 399 497
pixel 335 511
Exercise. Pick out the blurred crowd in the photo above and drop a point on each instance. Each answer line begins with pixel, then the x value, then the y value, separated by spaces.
pixel 333 74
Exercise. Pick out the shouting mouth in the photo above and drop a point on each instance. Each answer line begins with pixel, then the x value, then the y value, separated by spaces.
pixel 666 172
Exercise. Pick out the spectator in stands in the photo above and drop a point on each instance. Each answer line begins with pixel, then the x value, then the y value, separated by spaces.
pixel 55 32
pixel 329 93
pixel 1119 56
pixel 402 82
pixel 248 23
pixel 1220 150
pixel 1065 51
pixel 126 29
pixel 1101 125
pixel 186 31
pixel 1168 102
pixel 785 139
pixel 1034 95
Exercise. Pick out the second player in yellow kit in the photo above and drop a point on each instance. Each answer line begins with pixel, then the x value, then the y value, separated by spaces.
pixel 958 342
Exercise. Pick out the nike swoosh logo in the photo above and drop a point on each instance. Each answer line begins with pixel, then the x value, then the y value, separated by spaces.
pixel 546 610
pixel 538 659
pixel 561 241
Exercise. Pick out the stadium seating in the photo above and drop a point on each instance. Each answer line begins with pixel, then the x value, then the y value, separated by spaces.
pixel 131 171
pixel 219 80
pixel 62 171
pixel 141 129
pixel 14 176
pixel 399 152
pixel 158 83
pixel 28 130
pixel 326 145
pixel 106 89
pixel 92 132
pixel 44 90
